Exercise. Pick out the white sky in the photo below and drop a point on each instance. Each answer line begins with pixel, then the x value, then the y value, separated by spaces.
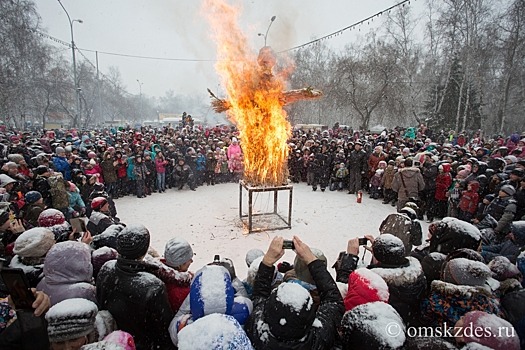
pixel 175 29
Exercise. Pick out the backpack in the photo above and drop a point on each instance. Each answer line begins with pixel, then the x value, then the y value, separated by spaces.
pixel 59 195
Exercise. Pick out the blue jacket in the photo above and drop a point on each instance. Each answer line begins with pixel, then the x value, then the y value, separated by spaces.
pixel 61 164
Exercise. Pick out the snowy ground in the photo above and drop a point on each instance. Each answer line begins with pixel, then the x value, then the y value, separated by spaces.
pixel 209 219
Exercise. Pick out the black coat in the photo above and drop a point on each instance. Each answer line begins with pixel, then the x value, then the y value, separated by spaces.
pixel 329 313
pixel 138 301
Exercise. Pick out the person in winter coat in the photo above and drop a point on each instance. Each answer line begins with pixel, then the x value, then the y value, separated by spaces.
pixel 443 183
pixel 100 218
pixel 184 175
pixel 511 245
pixel 109 173
pixel 386 182
pixel 430 173
pixel 140 172
pixel 234 149
pixel 122 186
pixel 72 280
pixel 211 164
pixel 503 209
pixel 463 287
pixel 405 226
pixel 61 163
pixel 468 203
pixel 34 206
pixel 357 166
pixel 373 161
pixel 173 270
pixel 160 167
pixel 40 184
pixel 137 300
pixel 77 207
pixel 408 182
pixel 265 327
pixel 323 167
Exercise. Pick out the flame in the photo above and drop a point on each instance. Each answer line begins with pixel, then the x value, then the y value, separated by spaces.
pixel 254 97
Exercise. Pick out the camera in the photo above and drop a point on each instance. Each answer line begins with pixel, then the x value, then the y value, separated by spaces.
pixel 216 258
pixel 287 244
pixel 363 241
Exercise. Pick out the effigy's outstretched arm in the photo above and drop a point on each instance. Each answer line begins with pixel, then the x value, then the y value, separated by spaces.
pixel 308 93
pixel 220 105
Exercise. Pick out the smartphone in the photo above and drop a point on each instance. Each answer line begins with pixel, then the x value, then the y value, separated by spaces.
pixel 18 287
pixel 363 241
pixel 79 224
pixel 287 244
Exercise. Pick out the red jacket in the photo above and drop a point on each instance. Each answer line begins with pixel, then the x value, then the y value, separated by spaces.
pixel 177 284
pixel 469 199
pixel 443 182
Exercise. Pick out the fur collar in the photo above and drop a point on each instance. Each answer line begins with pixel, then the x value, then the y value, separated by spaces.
pixel 449 289
pixel 403 275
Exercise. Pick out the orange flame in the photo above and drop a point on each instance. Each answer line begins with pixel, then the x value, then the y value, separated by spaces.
pixel 254 97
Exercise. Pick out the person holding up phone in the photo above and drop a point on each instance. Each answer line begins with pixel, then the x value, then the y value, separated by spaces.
pixel 298 328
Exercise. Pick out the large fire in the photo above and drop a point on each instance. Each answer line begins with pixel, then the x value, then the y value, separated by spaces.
pixel 255 97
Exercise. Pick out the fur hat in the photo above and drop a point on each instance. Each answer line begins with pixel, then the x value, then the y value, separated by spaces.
pixel 466 272
pixel 503 269
pixel 133 241
pixel 389 250
pixel 473 320
pixel 34 243
pixel 177 252
pixel 71 319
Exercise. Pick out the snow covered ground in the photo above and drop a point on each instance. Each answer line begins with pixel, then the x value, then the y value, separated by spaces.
pixel 209 220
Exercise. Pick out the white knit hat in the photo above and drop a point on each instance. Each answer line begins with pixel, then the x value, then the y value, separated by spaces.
pixel 34 243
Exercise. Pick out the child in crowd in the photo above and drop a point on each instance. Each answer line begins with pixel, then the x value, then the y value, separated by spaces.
pixel 375 184
pixel 468 204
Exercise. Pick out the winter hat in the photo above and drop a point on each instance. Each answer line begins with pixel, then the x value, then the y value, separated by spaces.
pixel 518 230
pixel 463 173
pixel 518 172
pixel 365 286
pixel 374 325
pixel 117 340
pixel 389 250
pixel 60 150
pixel 241 309
pixel 92 161
pixel 6 180
pixel 41 169
pixel 32 196
pixel 101 256
pixel 466 253
pixel 51 217
pixel 301 269
pixel 432 264
pixel 466 272
pixel 108 238
pixel 450 234
pixel 177 252
pixel 34 243
pixel 71 319
pixel 15 158
pixel 133 241
pixel 508 189
pixel 289 311
pixel 98 202
pixel 5 212
pixel 211 292
pixel 253 254
pixel 490 326
pixel 214 332
pixel 503 269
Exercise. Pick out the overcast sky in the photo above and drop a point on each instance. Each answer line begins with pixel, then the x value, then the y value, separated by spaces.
pixel 176 29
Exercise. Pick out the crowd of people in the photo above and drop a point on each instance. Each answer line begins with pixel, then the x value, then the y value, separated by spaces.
pixel 102 286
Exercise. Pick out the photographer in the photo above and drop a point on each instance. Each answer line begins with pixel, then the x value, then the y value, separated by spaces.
pixel 403 275
pixel 269 308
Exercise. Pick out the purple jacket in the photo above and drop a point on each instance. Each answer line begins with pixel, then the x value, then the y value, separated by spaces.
pixel 68 273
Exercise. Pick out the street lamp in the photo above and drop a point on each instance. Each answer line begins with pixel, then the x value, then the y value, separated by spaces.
pixel 267 30
pixel 77 88
pixel 140 97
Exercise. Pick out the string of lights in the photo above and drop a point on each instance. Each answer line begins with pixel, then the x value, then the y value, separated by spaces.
pixel 352 26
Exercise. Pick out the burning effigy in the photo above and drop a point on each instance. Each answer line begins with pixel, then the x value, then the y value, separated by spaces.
pixel 255 95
